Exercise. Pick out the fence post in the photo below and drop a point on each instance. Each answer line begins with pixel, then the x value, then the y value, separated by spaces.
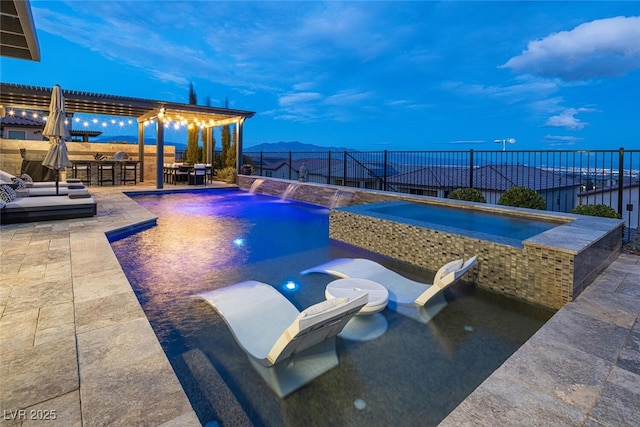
pixel 329 168
pixel 471 168
pixel 620 179
pixel 261 163
pixel 344 168
pixel 384 173
pixel 290 165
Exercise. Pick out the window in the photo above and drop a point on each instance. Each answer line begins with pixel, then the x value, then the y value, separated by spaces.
pixel 17 134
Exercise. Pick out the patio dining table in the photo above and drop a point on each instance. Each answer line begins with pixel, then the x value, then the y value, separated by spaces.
pixel 181 174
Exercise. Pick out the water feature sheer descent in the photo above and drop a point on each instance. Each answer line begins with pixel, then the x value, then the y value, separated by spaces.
pixel 256 184
pixel 413 375
pixel 288 193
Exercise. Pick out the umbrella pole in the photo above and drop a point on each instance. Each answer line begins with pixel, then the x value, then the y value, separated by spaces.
pixel 57 179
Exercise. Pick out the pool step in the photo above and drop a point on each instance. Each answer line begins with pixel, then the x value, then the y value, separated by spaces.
pixel 216 390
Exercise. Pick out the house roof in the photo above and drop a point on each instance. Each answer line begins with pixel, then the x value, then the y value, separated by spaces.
pixel 628 184
pixel 18 37
pixel 490 177
pixel 21 121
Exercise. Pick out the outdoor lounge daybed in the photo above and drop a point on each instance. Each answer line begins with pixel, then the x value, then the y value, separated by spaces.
pixel 288 348
pixel 7 178
pixel 45 208
pixel 420 301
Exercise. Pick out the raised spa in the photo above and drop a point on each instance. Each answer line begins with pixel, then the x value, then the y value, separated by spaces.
pixel 548 267
pixel 494 226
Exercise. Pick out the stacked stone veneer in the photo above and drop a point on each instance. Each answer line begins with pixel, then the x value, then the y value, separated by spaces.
pixel 550 269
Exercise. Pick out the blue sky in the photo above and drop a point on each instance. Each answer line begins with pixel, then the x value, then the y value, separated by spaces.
pixel 367 75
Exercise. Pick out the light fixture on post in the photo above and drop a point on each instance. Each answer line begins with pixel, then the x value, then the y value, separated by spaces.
pixel 504 142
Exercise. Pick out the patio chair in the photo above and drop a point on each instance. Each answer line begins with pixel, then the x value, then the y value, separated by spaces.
pixel 209 172
pixel 181 174
pixel 198 174
pixel 419 301
pixel 286 347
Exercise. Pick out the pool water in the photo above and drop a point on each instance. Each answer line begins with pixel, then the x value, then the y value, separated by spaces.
pixel 414 374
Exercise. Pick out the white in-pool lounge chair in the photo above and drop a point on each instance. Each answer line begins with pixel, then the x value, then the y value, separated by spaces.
pixel 420 301
pixel 288 348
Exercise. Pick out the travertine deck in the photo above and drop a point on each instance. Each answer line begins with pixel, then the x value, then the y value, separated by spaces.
pixel 75 342
pixel 582 368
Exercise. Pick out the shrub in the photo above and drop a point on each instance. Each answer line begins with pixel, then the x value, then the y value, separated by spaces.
pixel 522 197
pixel 597 210
pixel 468 194
pixel 228 175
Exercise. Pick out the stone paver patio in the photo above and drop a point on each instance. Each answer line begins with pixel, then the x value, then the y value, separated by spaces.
pixel 76 346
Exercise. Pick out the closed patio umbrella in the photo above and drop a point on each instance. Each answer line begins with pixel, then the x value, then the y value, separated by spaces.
pixel 56 130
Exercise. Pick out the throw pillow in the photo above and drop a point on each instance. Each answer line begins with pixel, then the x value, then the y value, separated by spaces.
pixel 7 193
pixel 26 178
pixel 18 184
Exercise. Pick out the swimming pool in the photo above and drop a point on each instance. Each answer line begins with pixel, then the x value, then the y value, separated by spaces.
pixel 414 374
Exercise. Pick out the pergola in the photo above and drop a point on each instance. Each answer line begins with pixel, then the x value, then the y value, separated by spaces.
pixel 144 110
pixel 18 37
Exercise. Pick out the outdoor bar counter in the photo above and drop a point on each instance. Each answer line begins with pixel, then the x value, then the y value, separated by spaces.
pixel 105 172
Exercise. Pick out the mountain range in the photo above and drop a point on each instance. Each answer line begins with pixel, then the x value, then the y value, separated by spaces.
pixel 291 146
pixel 266 146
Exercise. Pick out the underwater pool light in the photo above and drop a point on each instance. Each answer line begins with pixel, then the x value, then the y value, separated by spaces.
pixel 291 285
pixel 238 242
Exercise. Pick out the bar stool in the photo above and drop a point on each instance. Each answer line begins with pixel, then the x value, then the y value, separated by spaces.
pixel 129 172
pixel 106 173
pixel 82 168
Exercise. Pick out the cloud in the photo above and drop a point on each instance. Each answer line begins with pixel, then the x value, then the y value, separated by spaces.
pixel 524 89
pixel 347 97
pixel 561 140
pixel 566 119
pixel 601 48
pixel 260 47
pixel 299 97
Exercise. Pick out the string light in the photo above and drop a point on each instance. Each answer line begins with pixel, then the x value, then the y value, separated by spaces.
pixel 177 123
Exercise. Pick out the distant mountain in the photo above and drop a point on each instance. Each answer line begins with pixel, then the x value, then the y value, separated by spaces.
pixel 291 146
pixel 270 147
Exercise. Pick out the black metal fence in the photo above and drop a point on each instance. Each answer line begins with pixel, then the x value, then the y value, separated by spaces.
pixel 566 179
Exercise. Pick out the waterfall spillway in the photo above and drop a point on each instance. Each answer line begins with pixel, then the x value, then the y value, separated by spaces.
pixel 341 198
pixel 288 193
pixel 254 186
